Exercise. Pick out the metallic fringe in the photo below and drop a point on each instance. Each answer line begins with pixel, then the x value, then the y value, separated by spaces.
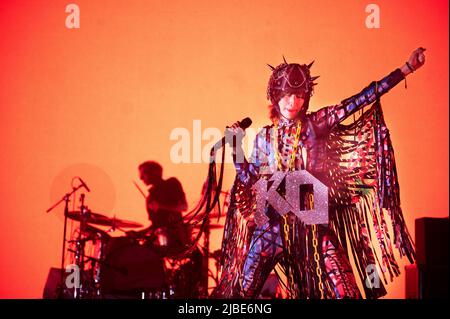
pixel 363 186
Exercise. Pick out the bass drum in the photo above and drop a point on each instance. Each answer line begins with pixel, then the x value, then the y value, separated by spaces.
pixel 131 270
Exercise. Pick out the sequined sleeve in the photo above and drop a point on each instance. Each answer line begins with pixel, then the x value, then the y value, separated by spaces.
pixel 248 170
pixel 329 116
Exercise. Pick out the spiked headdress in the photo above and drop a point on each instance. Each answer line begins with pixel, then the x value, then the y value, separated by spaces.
pixel 290 78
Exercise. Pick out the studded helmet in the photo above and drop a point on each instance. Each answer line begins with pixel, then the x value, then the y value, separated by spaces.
pixel 290 78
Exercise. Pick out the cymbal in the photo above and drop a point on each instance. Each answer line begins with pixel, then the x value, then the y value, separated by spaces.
pixel 89 216
pixel 99 219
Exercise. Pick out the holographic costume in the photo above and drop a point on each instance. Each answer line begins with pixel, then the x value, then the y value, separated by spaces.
pixel 356 162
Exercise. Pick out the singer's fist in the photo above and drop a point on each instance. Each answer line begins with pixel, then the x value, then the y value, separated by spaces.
pixel 417 58
pixel 234 131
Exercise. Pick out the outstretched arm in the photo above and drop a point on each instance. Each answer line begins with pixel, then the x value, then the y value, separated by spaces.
pixel 328 117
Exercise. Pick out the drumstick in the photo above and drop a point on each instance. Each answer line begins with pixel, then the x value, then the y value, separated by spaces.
pixel 137 186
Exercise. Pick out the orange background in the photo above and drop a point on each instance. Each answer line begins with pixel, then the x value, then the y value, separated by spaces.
pixel 99 100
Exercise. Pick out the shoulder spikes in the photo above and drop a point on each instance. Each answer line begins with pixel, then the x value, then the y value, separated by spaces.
pixel 284 59
pixel 270 66
pixel 310 65
pixel 315 78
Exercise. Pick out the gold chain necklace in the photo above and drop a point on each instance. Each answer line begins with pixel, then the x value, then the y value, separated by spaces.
pixel 291 164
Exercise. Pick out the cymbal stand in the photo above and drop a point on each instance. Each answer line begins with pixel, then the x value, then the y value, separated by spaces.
pixel 80 244
pixel 66 200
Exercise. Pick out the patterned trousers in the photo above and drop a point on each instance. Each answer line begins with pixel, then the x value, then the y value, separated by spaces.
pixel 266 251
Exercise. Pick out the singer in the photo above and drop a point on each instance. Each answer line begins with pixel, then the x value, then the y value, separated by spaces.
pixel 356 163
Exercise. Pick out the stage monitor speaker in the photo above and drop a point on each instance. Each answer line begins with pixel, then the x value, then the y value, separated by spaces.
pixel 432 241
pixel 429 282
pixel 52 286
pixel 428 278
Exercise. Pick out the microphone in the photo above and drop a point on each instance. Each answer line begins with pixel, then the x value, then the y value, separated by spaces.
pixel 83 184
pixel 244 124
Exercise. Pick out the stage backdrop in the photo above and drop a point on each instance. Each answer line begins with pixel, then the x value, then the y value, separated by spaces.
pixel 96 96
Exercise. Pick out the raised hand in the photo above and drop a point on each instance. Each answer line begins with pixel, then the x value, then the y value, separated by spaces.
pixel 415 61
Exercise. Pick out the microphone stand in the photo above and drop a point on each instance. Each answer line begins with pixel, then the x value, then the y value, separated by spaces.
pixel 66 199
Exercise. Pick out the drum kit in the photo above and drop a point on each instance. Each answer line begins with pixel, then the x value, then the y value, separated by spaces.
pixel 126 267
